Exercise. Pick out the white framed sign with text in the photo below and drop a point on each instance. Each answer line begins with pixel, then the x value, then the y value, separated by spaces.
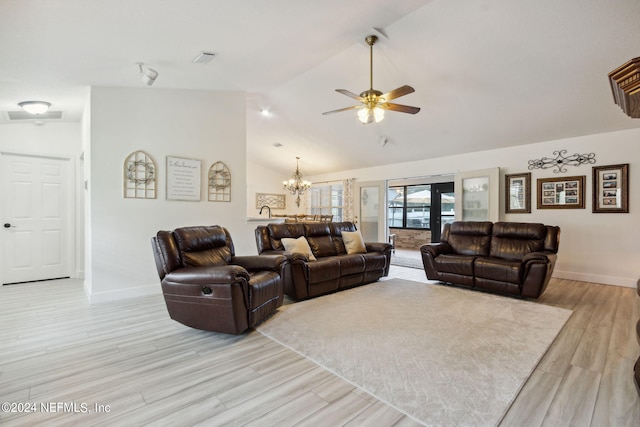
pixel 183 179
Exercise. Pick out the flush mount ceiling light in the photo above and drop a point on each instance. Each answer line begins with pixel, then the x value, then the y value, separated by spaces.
pixel 35 107
pixel 149 75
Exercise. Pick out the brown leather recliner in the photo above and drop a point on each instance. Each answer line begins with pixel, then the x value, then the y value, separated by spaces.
pixel 206 286
pixel 513 258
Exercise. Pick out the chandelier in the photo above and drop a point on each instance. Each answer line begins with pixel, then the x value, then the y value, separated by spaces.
pixel 296 185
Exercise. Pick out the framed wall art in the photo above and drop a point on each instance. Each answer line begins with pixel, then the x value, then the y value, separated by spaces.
pixel 140 177
pixel 274 201
pixel 611 189
pixel 518 193
pixel 183 179
pixel 219 183
pixel 561 193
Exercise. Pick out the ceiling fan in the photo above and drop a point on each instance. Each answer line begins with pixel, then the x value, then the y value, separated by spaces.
pixel 373 102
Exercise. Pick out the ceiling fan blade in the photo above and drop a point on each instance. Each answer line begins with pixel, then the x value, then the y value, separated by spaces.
pixel 342 109
pixel 351 95
pixel 397 93
pixel 400 108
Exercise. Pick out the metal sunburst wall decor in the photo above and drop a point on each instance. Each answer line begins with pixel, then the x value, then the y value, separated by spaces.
pixel 561 160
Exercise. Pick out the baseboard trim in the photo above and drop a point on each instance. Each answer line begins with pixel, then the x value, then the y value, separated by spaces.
pixel 119 294
pixel 596 278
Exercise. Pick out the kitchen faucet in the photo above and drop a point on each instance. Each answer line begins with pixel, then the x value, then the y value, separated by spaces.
pixel 268 208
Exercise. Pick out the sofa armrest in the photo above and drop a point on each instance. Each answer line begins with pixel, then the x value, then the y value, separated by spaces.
pixel 539 256
pixel 538 268
pixel 297 256
pixel 378 247
pixel 260 262
pixel 276 252
pixel 429 252
pixel 223 274
pixel 435 249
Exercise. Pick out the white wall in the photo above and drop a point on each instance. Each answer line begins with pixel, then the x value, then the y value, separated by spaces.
pixel 209 126
pixel 51 138
pixel 600 248
pixel 60 139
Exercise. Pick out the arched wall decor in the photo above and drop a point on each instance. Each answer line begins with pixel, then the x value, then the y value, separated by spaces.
pixel 140 179
pixel 219 183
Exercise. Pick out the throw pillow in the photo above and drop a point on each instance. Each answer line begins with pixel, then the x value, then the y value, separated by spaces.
pixel 299 245
pixel 353 242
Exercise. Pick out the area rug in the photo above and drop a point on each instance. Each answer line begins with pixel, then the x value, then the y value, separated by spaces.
pixel 441 355
pixel 410 262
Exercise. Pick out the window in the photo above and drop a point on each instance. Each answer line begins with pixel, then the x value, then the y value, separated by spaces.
pixel 409 206
pixel 327 200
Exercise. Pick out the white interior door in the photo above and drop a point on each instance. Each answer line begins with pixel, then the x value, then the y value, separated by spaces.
pixel 478 195
pixel 370 210
pixel 35 218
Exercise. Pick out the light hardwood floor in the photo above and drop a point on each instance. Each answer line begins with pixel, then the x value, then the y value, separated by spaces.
pixel 141 368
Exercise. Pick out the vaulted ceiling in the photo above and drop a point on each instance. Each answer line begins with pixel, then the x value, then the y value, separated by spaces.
pixel 487 74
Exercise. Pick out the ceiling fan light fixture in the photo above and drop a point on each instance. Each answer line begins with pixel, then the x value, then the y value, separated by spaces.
pixel 625 85
pixel 369 115
pixel 378 114
pixel 35 107
pixel 373 102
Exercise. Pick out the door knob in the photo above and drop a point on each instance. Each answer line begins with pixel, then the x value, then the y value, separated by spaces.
pixel 7 225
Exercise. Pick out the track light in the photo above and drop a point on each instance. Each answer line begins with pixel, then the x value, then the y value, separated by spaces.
pixel 35 107
pixel 148 76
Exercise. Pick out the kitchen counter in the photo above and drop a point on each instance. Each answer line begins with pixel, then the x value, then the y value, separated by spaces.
pixel 264 219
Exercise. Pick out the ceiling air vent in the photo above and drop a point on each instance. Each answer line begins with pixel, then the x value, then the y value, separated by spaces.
pixel 23 115
pixel 204 58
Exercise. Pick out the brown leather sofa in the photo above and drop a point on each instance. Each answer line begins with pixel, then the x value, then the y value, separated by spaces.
pixel 334 269
pixel 513 258
pixel 206 286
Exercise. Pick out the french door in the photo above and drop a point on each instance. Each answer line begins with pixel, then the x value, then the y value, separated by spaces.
pixel 36 211
pixel 442 208
pixel 370 203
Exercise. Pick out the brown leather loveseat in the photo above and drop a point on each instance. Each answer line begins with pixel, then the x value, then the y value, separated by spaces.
pixel 334 269
pixel 206 286
pixel 512 258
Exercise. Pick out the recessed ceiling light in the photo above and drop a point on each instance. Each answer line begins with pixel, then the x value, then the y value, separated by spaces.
pixel 265 112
